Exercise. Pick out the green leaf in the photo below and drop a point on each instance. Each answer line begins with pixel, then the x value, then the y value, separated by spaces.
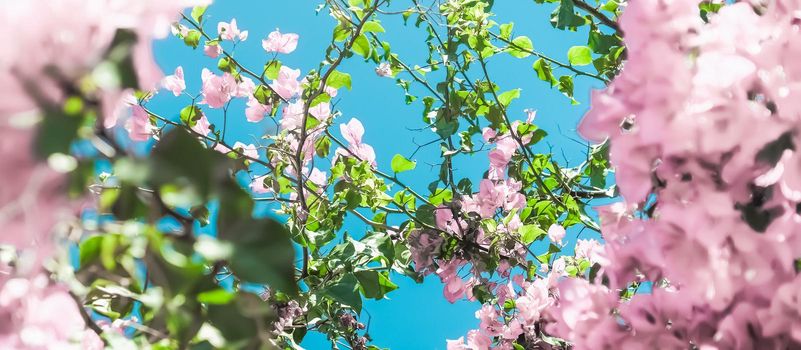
pixel 530 233
pixel 263 94
pixel 361 46
pixel 506 30
pixel 579 55
pixel 374 284
pixel 566 87
pixel 372 27
pixel 521 47
pixel 216 297
pixel 271 69
pixel 263 252
pixel 425 213
pixel 190 115
pixel 507 97
pixel 341 32
pixel 225 65
pixel 338 79
pixel 401 164
pixel 197 13
pixel 565 17
pixel 89 250
pixel 346 291
pixel 192 38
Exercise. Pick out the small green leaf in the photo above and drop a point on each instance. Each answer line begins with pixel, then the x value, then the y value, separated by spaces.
pixel 579 55
pixel 530 233
pixel 338 80
pixel 401 164
pixel 521 47
pixel 192 38
pixel 375 284
pixel 90 250
pixel 216 297
pixel 271 69
pixel 263 94
pixel 341 32
pixel 190 115
pixel 506 30
pixel 197 13
pixel 372 27
pixel 346 291
pixel 361 46
pixel 507 97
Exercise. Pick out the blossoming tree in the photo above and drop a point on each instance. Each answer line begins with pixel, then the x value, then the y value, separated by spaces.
pixel 137 227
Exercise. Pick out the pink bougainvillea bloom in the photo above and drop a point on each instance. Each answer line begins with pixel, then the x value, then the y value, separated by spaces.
pixel 213 51
pixel 138 126
pixel 318 177
pixel 256 111
pixel 27 308
pixel 556 233
pixel 221 148
pixel 217 90
pixel 383 70
pixel 457 344
pixel 589 249
pixel 321 112
pixel 292 116
pixel 248 150
pixel 281 43
pixel 202 126
pixel 287 84
pixel 229 31
pixel 352 131
pixel 257 185
pixel 245 88
pixel 533 302
pixel 175 82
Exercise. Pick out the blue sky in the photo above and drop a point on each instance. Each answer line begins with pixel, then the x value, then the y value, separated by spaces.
pixel 416 316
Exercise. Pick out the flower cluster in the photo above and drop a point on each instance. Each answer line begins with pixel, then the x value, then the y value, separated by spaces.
pixel 704 127
pixel 40 67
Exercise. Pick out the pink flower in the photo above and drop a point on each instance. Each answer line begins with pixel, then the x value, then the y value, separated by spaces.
pixel 322 111
pixel 217 90
pixel 383 70
pixel 489 323
pixel 533 301
pixel 139 127
pixel 222 148
pixel 556 233
pixel 457 344
pixel 477 340
pixel 213 51
pixel 248 150
pixel 256 111
pixel 589 249
pixel 175 82
pixel 37 315
pixel 784 314
pixel 202 126
pixel 287 84
pixel 257 185
pixel 229 31
pixel 353 132
pixel 281 43
pixel 454 286
pixel 292 116
pixel 318 177
pixel 245 88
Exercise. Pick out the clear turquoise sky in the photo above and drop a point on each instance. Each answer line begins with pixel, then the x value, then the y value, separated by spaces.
pixel 416 316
